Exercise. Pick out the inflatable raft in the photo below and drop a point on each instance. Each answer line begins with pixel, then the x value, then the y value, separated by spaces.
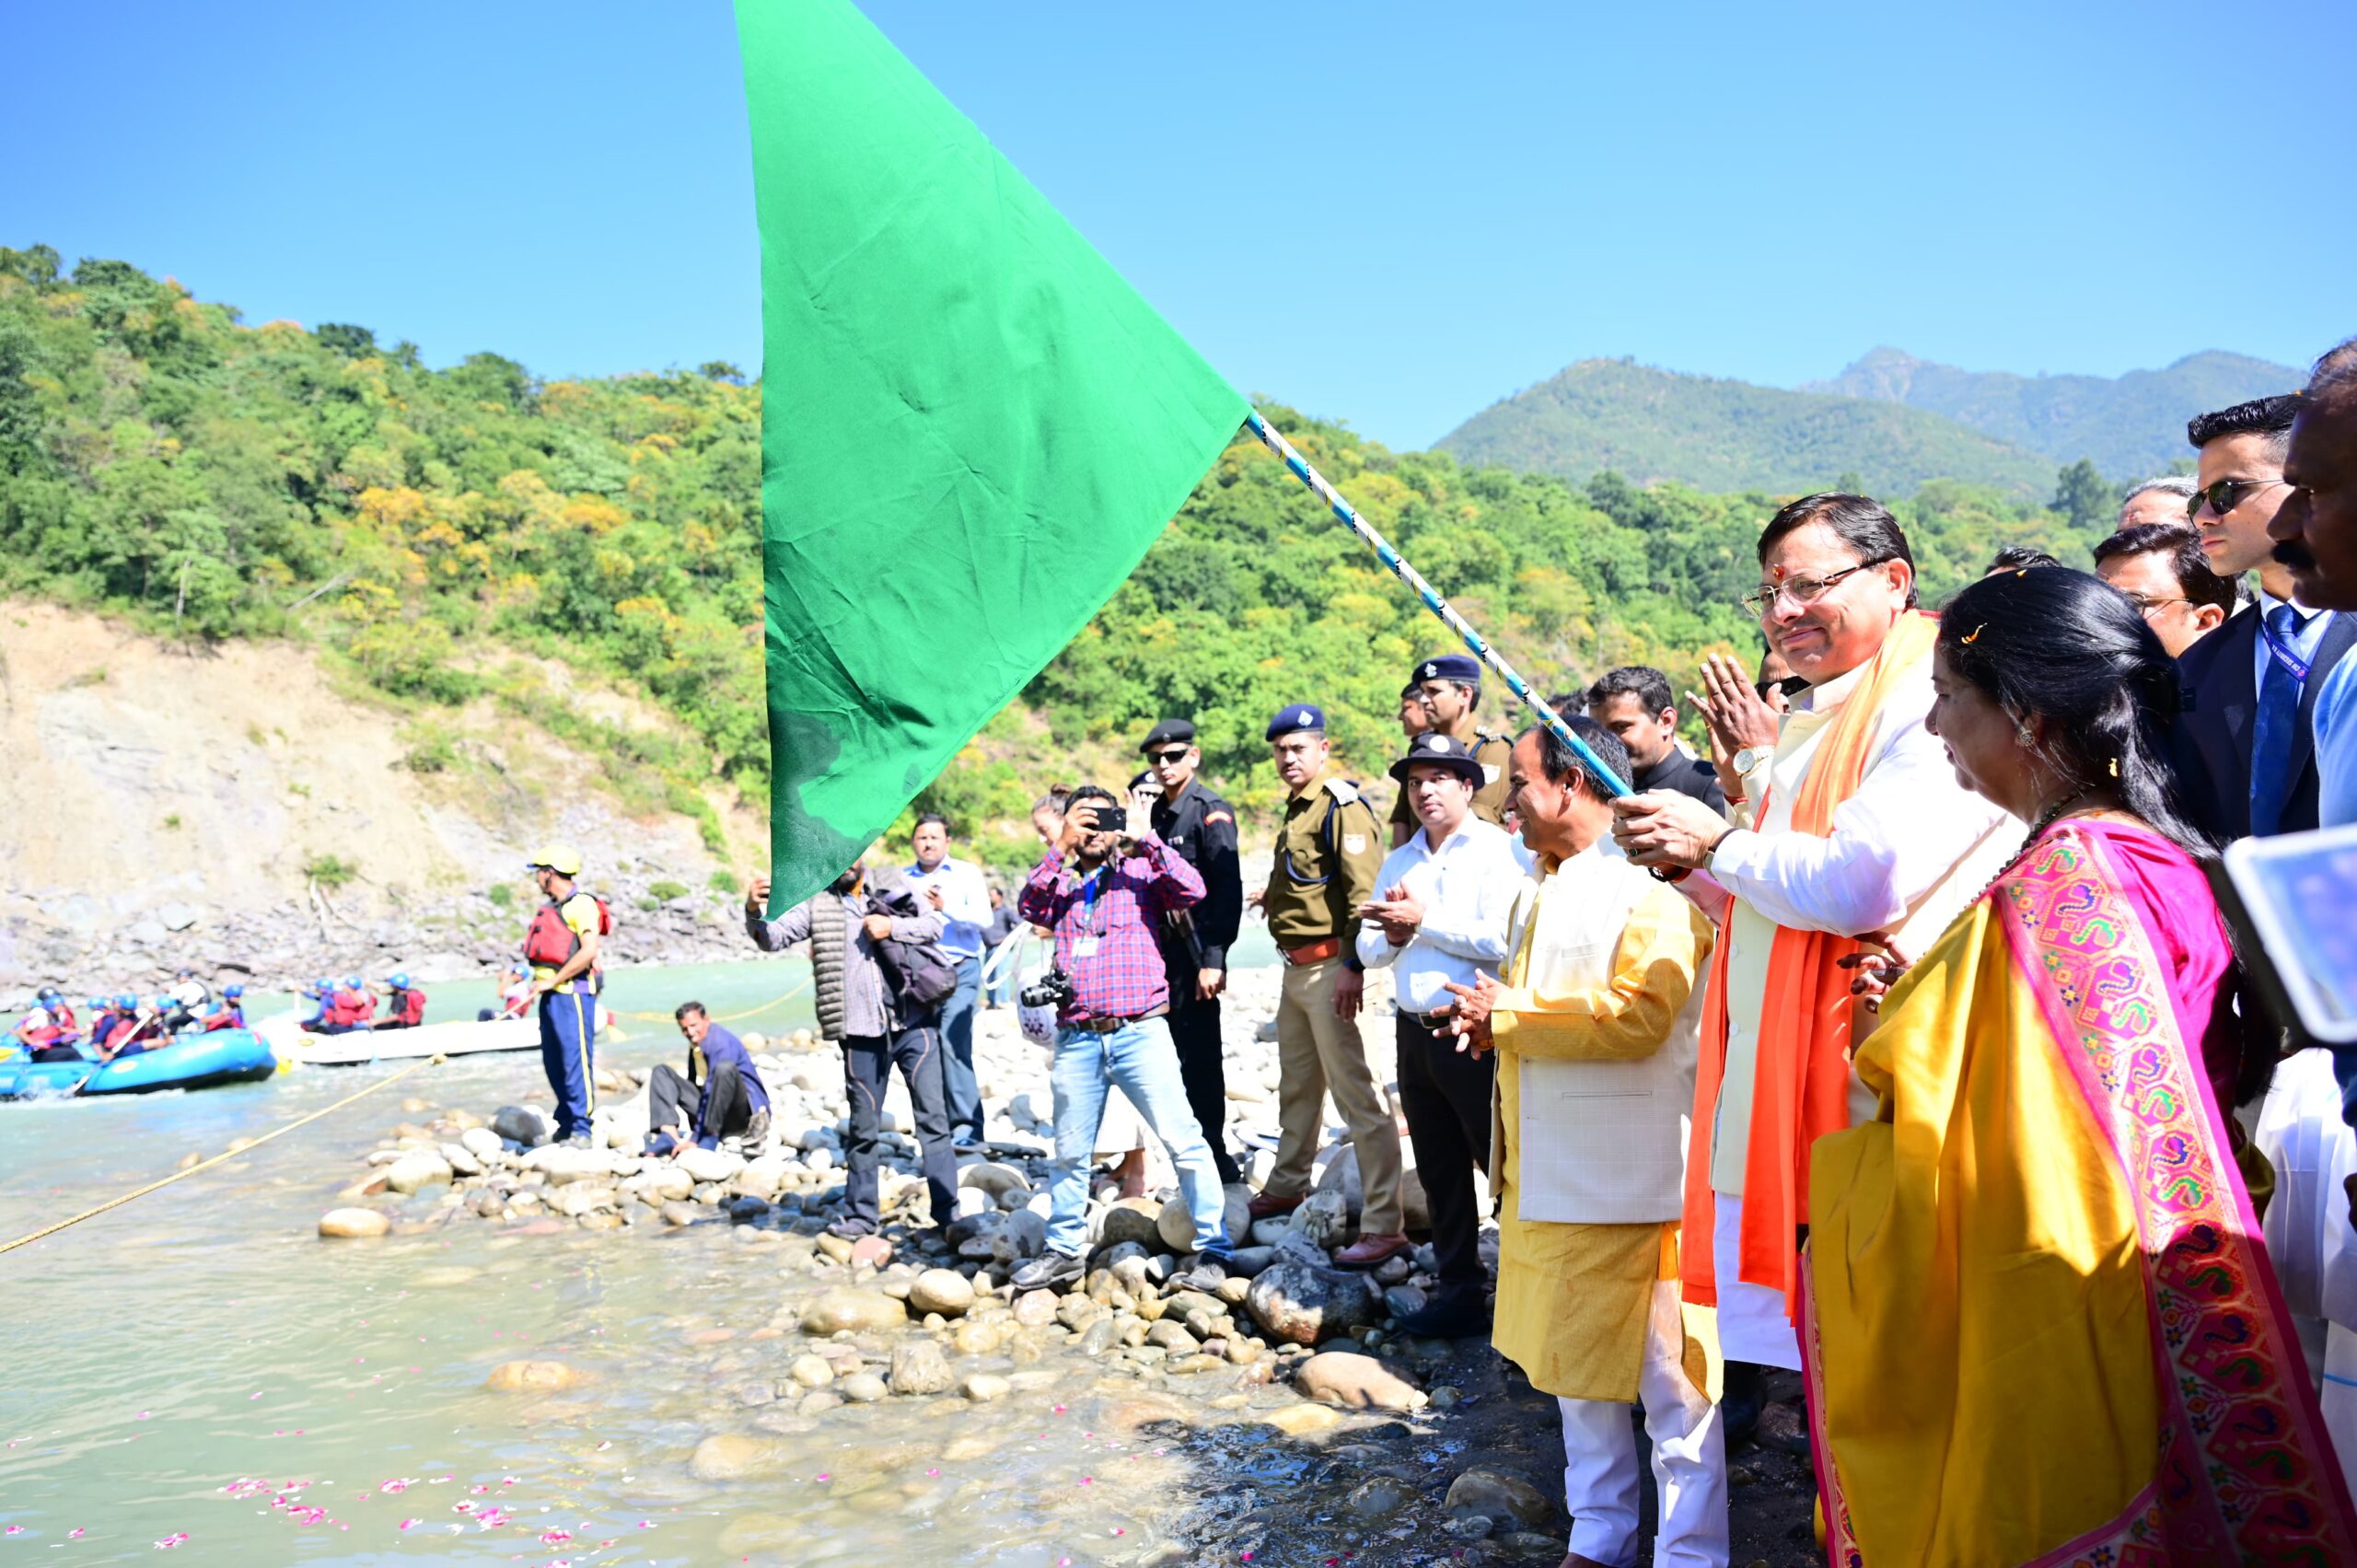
pixel 190 1062
pixel 457 1038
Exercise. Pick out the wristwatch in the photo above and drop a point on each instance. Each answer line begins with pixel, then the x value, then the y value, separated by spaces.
pixel 1751 757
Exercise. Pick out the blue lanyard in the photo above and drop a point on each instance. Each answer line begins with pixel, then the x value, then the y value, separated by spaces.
pixel 2293 665
pixel 1088 889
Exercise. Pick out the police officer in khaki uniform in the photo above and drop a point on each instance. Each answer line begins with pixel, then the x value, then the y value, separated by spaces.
pixel 1449 687
pixel 1326 856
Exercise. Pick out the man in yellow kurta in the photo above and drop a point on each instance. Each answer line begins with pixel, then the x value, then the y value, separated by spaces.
pixel 1595 1027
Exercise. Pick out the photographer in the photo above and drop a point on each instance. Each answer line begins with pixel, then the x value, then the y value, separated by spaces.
pixel 1111 1000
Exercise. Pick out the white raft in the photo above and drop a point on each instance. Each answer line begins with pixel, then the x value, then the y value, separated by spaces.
pixel 465 1037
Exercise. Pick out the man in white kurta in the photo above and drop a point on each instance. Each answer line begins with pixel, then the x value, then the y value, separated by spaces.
pixel 1595 1028
pixel 1909 847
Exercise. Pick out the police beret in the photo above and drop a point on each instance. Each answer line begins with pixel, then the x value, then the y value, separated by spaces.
pixel 1463 668
pixel 1301 715
pixel 1438 750
pixel 1169 732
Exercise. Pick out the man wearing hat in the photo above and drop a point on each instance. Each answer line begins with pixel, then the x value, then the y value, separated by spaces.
pixel 1325 868
pixel 1448 687
pixel 1440 921
pixel 562 946
pixel 1200 827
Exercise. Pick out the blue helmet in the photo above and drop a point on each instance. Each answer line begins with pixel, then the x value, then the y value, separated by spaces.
pixel 126 1001
pixel 325 982
pixel 233 992
pixel 95 1004
pixel 351 982
pixel 397 979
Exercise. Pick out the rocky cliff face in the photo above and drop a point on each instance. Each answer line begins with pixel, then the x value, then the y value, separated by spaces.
pixel 160 807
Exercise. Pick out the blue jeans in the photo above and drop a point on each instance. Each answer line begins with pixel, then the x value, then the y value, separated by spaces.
pixel 964 1090
pixel 1139 1058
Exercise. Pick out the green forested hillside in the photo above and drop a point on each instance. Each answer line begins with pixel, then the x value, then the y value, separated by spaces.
pixel 162 459
pixel 1657 425
pixel 2131 426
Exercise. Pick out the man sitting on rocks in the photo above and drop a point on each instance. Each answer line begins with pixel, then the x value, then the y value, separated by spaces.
pixel 1107 911
pixel 858 1011
pixel 730 1100
pixel 1596 1030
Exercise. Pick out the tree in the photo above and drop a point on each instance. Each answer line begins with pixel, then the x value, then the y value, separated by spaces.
pixel 721 370
pixel 344 339
pixel 2084 496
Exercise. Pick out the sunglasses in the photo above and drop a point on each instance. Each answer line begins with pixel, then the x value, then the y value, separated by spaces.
pixel 2224 496
pixel 1175 754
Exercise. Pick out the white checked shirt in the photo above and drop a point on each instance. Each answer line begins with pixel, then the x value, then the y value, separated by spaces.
pixel 1468 887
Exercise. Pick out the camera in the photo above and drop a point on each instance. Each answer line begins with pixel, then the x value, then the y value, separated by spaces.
pixel 1050 989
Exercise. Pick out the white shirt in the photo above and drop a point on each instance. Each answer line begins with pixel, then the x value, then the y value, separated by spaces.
pixel 2305 643
pixel 2336 736
pixel 965 903
pixel 1468 887
pixel 1907 849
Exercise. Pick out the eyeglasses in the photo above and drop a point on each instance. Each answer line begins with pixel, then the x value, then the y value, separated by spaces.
pixel 1175 754
pixel 2146 605
pixel 1800 590
pixel 2224 496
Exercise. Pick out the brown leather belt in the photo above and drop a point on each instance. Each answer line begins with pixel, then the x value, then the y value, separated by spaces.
pixel 1107 1025
pixel 1435 1022
pixel 1313 952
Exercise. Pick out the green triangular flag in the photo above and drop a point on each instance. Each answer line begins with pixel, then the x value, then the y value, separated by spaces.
pixel 971 428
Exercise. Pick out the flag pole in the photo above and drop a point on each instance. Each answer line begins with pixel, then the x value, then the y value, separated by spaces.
pixel 1610 782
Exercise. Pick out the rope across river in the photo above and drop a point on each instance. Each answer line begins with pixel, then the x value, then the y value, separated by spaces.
pixel 796 988
pixel 228 1155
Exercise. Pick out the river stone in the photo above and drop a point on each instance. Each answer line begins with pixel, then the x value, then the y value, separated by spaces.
pixel 1356 1382
pixel 919 1367
pixel 1099 1337
pixel 681 1212
pixel 353 1223
pixel 992 1180
pixel 582 1198
pixel 531 1377
pixel 1324 1219
pixel 735 1456
pixel 561 1163
pixel 983 1386
pixel 832 1311
pixel 417 1169
pixel 525 1124
pixel 764 1177
pixel 461 1159
pixel 1302 1304
pixel 945 1291
pixel 708 1164
pixel 1035 1308
pixel 1301 1420
pixel 1341 1175
pixel 810 1371
pixel 1496 1495
pixel 1131 1219
pixel 663 1183
pixel 1173 1338
pixel 863 1387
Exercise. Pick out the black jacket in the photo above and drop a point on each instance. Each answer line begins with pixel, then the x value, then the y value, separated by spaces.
pixel 2211 743
pixel 1202 828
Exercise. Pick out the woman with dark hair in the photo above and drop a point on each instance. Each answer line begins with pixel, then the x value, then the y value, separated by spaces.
pixel 2040 1325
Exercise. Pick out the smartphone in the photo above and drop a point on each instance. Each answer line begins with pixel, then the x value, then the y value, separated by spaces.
pixel 2278 894
pixel 1107 819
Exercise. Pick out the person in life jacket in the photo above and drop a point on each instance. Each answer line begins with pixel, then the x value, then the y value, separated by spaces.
pixel 314 1003
pixel 562 946
pixel 344 1008
pixel 404 1003
pixel 61 1013
pixel 39 1035
pixel 144 1032
pixel 231 1014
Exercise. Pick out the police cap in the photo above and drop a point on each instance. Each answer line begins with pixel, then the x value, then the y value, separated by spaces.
pixel 1169 732
pixel 1301 715
pixel 1463 668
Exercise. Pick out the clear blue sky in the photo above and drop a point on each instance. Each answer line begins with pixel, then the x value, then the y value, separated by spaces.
pixel 1390 213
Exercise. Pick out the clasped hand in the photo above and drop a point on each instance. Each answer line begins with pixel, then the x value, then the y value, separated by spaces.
pixel 1662 827
pixel 1468 1014
pixel 1397 913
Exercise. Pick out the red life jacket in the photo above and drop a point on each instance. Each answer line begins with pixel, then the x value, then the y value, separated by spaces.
pixel 62 1016
pixel 550 943
pixel 409 1006
pixel 226 1018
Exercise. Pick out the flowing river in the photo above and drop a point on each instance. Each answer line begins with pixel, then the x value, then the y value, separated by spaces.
pixel 199 1372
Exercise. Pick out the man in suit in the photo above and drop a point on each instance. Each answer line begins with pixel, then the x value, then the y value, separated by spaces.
pixel 2244 745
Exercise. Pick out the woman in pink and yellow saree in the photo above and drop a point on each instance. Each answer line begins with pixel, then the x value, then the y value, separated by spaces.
pixel 2040 1324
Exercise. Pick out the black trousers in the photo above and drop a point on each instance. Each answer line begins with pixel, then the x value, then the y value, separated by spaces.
pixel 672 1097
pixel 1194 1030
pixel 1445 1093
pixel 868 1061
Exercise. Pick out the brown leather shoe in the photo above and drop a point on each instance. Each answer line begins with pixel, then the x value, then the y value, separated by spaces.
pixel 1265 1205
pixel 1369 1250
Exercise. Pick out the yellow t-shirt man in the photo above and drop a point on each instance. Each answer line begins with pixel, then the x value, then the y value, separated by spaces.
pixel 580 915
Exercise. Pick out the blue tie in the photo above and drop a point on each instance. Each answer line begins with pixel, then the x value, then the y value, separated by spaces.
pixel 2279 716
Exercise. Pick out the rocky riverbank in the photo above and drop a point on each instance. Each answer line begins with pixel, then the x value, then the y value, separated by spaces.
pixel 1418 1450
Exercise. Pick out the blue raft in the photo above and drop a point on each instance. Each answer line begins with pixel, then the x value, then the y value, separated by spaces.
pixel 192 1062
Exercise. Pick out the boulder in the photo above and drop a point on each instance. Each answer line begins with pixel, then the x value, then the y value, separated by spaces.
pixel 945 1291
pixel 1324 1219
pixel 832 1311
pixel 810 1371
pixel 709 1164
pixel 531 1378
pixel 734 1455
pixel 919 1367
pixel 1355 1382
pixel 1131 1219
pixel 353 1223
pixel 583 1198
pixel 525 1124
pixel 1341 1175
pixel 1495 1495
pixel 1035 1308
pixel 993 1178
pixel 561 1165
pixel 663 1183
pixel 1303 1304
pixel 983 1386
pixel 462 1160
pixel 417 1169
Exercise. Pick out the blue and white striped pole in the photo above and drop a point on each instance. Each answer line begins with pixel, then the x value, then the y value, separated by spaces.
pixel 1342 509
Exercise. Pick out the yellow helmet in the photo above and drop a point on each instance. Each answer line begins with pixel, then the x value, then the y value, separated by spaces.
pixel 563 859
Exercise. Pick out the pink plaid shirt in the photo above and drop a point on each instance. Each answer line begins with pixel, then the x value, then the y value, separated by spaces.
pixel 1122 976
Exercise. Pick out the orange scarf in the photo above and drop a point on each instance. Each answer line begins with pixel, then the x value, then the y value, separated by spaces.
pixel 1801 1083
